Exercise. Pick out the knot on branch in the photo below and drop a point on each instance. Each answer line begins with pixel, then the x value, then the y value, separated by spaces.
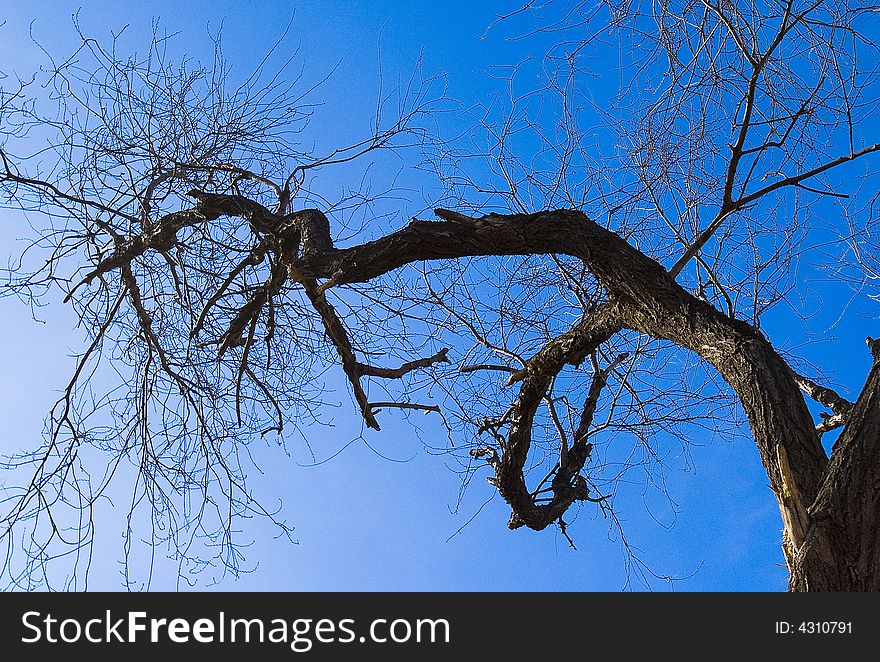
pixel 314 229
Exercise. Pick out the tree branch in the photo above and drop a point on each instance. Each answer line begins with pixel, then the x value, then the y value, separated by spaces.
pixel 825 396
pixel 642 296
pixel 397 373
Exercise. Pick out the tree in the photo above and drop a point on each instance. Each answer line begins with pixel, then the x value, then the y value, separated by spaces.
pixel 175 229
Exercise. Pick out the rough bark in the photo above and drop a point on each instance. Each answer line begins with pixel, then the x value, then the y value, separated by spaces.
pixel 842 550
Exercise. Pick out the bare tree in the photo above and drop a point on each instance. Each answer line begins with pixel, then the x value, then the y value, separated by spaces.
pixel 177 228
pixel 183 294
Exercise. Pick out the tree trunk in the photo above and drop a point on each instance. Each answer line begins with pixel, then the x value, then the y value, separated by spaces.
pixel 842 549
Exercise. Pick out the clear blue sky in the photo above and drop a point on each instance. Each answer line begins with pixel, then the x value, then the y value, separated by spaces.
pixel 386 516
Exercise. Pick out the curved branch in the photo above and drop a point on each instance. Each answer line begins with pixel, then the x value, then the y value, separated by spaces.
pixel 645 298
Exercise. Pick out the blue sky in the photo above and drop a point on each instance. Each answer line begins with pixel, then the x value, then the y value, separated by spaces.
pixel 386 514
